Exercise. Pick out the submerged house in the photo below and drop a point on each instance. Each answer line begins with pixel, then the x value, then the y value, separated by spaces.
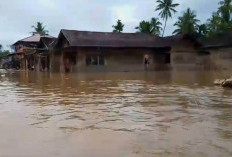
pixel 186 53
pixel 220 50
pixel 26 49
pixel 82 51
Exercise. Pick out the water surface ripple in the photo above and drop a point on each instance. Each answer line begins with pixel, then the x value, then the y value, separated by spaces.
pixel 142 114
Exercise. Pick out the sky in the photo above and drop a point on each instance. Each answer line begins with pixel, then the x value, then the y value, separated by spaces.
pixel 17 16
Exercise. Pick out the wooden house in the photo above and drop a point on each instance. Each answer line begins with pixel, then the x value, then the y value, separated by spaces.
pixel 26 49
pixel 82 51
pixel 186 53
pixel 220 50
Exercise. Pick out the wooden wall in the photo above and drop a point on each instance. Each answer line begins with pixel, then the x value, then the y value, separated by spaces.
pixel 116 60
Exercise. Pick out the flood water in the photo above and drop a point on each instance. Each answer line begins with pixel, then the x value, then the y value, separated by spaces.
pixel 152 114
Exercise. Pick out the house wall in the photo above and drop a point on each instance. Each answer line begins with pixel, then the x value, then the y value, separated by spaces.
pixel 116 60
pixel 184 56
pixel 221 59
pixel 55 61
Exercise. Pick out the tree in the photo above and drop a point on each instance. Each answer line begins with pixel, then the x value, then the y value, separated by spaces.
pixel 40 29
pixel 225 10
pixel 187 23
pixel 221 21
pixel 4 54
pixel 0 47
pixel 119 27
pixel 202 31
pixel 150 27
pixel 166 8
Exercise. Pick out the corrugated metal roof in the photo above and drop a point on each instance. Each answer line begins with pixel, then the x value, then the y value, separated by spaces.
pixel 107 39
pixel 218 41
pixel 33 39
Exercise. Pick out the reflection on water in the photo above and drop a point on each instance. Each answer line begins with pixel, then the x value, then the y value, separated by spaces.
pixel 115 114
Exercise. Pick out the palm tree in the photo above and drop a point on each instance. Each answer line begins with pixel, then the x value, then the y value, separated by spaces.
pixel 202 31
pixel 214 24
pixel 166 8
pixel 155 26
pixel 119 27
pixel 150 27
pixel 187 23
pixel 225 10
pixel 221 21
pixel 144 27
pixel 40 29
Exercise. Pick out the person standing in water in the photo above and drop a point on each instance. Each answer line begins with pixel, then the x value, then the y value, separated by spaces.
pixel 67 65
pixel 146 61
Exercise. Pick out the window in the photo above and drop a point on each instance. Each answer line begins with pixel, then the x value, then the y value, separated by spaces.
pixel 95 60
pixel 101 60
pixel 167 58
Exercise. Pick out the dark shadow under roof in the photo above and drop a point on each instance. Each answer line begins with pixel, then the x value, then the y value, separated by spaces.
pixel 218 41
pixel 47 42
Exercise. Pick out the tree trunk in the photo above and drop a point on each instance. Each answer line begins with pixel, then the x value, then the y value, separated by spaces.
pixel 164 26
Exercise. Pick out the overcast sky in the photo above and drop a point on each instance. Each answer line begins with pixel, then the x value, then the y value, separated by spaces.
pixel 17 16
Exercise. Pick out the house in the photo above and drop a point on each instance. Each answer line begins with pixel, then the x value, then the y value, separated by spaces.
pixel 186 53
pixel 220 50
pixel 26 49
pixel 83 51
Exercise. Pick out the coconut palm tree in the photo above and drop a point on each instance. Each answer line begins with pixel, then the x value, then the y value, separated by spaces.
pixel 40 29
pixel 221 21
pixel 202 31
pixel 166 8
pixel 150 27
pixel 187 23
pixel 144 27
pixel 225 10
pixel 119 27
pixel 214 24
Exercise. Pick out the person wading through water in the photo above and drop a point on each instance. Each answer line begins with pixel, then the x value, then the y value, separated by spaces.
pixel 146 61
pixel 67 65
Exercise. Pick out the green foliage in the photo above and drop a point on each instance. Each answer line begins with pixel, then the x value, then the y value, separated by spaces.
pixel 225 10
pixel 40 29
pixel 150 27
pixel 166 8
pixel 118 28
pixel 202 31
pixel 4 54
pixel 221 21
pixel 187 23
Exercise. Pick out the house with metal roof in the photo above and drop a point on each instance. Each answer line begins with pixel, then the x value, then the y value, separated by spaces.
pixel 220 50
pixel 26 50
pixel 83 51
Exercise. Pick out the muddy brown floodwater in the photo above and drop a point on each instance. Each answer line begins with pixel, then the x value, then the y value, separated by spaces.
pixel 153 114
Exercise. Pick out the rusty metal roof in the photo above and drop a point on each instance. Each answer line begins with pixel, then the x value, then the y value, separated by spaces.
pixel 32 39
pixel 106 39
pixel 224 40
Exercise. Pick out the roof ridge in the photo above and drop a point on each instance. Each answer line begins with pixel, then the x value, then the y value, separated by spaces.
pixel 27 37
pixel 109 32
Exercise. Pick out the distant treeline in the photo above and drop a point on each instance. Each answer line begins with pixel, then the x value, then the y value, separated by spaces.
pixel 219 23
